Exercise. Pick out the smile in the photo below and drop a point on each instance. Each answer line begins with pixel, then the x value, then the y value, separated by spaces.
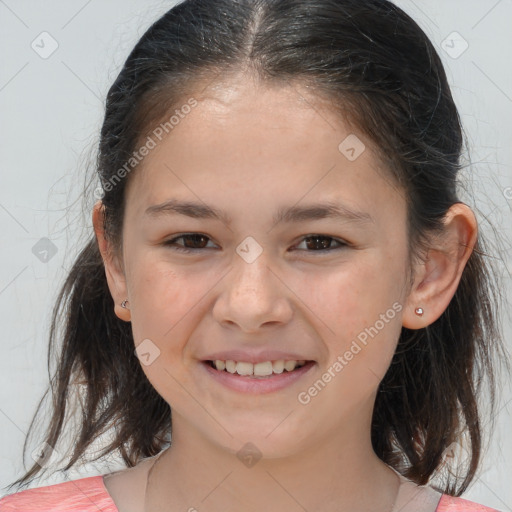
pixel 263 369
pixel 257 378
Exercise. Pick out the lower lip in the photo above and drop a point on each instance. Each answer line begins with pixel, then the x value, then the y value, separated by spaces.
pixel 246 384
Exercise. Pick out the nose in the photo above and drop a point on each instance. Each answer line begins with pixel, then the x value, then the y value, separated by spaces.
pixel 252 295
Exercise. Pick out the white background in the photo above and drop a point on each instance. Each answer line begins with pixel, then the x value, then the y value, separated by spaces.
pixel 51 112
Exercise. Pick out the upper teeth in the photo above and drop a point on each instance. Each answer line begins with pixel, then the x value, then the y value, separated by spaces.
pixel 258 369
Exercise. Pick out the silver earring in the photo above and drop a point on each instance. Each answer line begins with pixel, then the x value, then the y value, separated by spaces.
pixel 123 304
pixel 419 311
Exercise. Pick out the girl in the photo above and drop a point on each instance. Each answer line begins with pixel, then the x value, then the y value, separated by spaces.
pixel 281 266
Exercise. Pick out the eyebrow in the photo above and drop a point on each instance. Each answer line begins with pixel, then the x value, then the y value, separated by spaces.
pixel 288 214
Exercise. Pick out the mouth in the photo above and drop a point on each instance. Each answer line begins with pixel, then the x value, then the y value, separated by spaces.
pixel 257 378
pixel 263 370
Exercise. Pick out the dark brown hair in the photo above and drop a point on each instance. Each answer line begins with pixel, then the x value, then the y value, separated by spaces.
pixel 375 64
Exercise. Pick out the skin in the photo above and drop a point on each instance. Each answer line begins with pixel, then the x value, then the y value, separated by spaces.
pixel 249 149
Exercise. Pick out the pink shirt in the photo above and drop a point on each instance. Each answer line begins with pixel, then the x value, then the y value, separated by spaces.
pixel 90 495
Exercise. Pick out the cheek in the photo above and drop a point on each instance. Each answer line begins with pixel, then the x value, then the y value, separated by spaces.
pixel 165 301
pixel 166 307
pixel 357 311
pixel 352 296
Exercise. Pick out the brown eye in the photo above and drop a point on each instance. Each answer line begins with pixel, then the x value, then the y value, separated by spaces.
pixel 322 243
pixel 192 241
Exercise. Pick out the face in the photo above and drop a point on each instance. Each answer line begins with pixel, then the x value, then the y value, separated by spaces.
pixel 261 270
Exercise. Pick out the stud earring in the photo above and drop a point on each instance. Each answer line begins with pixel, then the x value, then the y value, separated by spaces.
pixel 419 311
pixel 123 304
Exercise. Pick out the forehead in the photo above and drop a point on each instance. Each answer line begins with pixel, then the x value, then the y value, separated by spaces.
pixel 252 141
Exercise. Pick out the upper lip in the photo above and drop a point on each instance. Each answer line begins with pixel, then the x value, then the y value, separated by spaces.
pixel 255 356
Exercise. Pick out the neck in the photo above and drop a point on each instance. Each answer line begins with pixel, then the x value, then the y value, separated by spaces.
pixel 340 474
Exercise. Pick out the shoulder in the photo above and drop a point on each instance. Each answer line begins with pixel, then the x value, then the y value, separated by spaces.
pixel 81 495
pixel 452 504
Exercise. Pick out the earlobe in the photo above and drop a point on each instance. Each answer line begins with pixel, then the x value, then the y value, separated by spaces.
pixel 115 275
pixel 439 274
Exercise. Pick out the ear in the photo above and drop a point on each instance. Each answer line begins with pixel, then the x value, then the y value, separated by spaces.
pixel 438 275
pixel 113 269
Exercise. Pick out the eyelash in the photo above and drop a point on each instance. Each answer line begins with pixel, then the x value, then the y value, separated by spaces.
pixel 172 243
